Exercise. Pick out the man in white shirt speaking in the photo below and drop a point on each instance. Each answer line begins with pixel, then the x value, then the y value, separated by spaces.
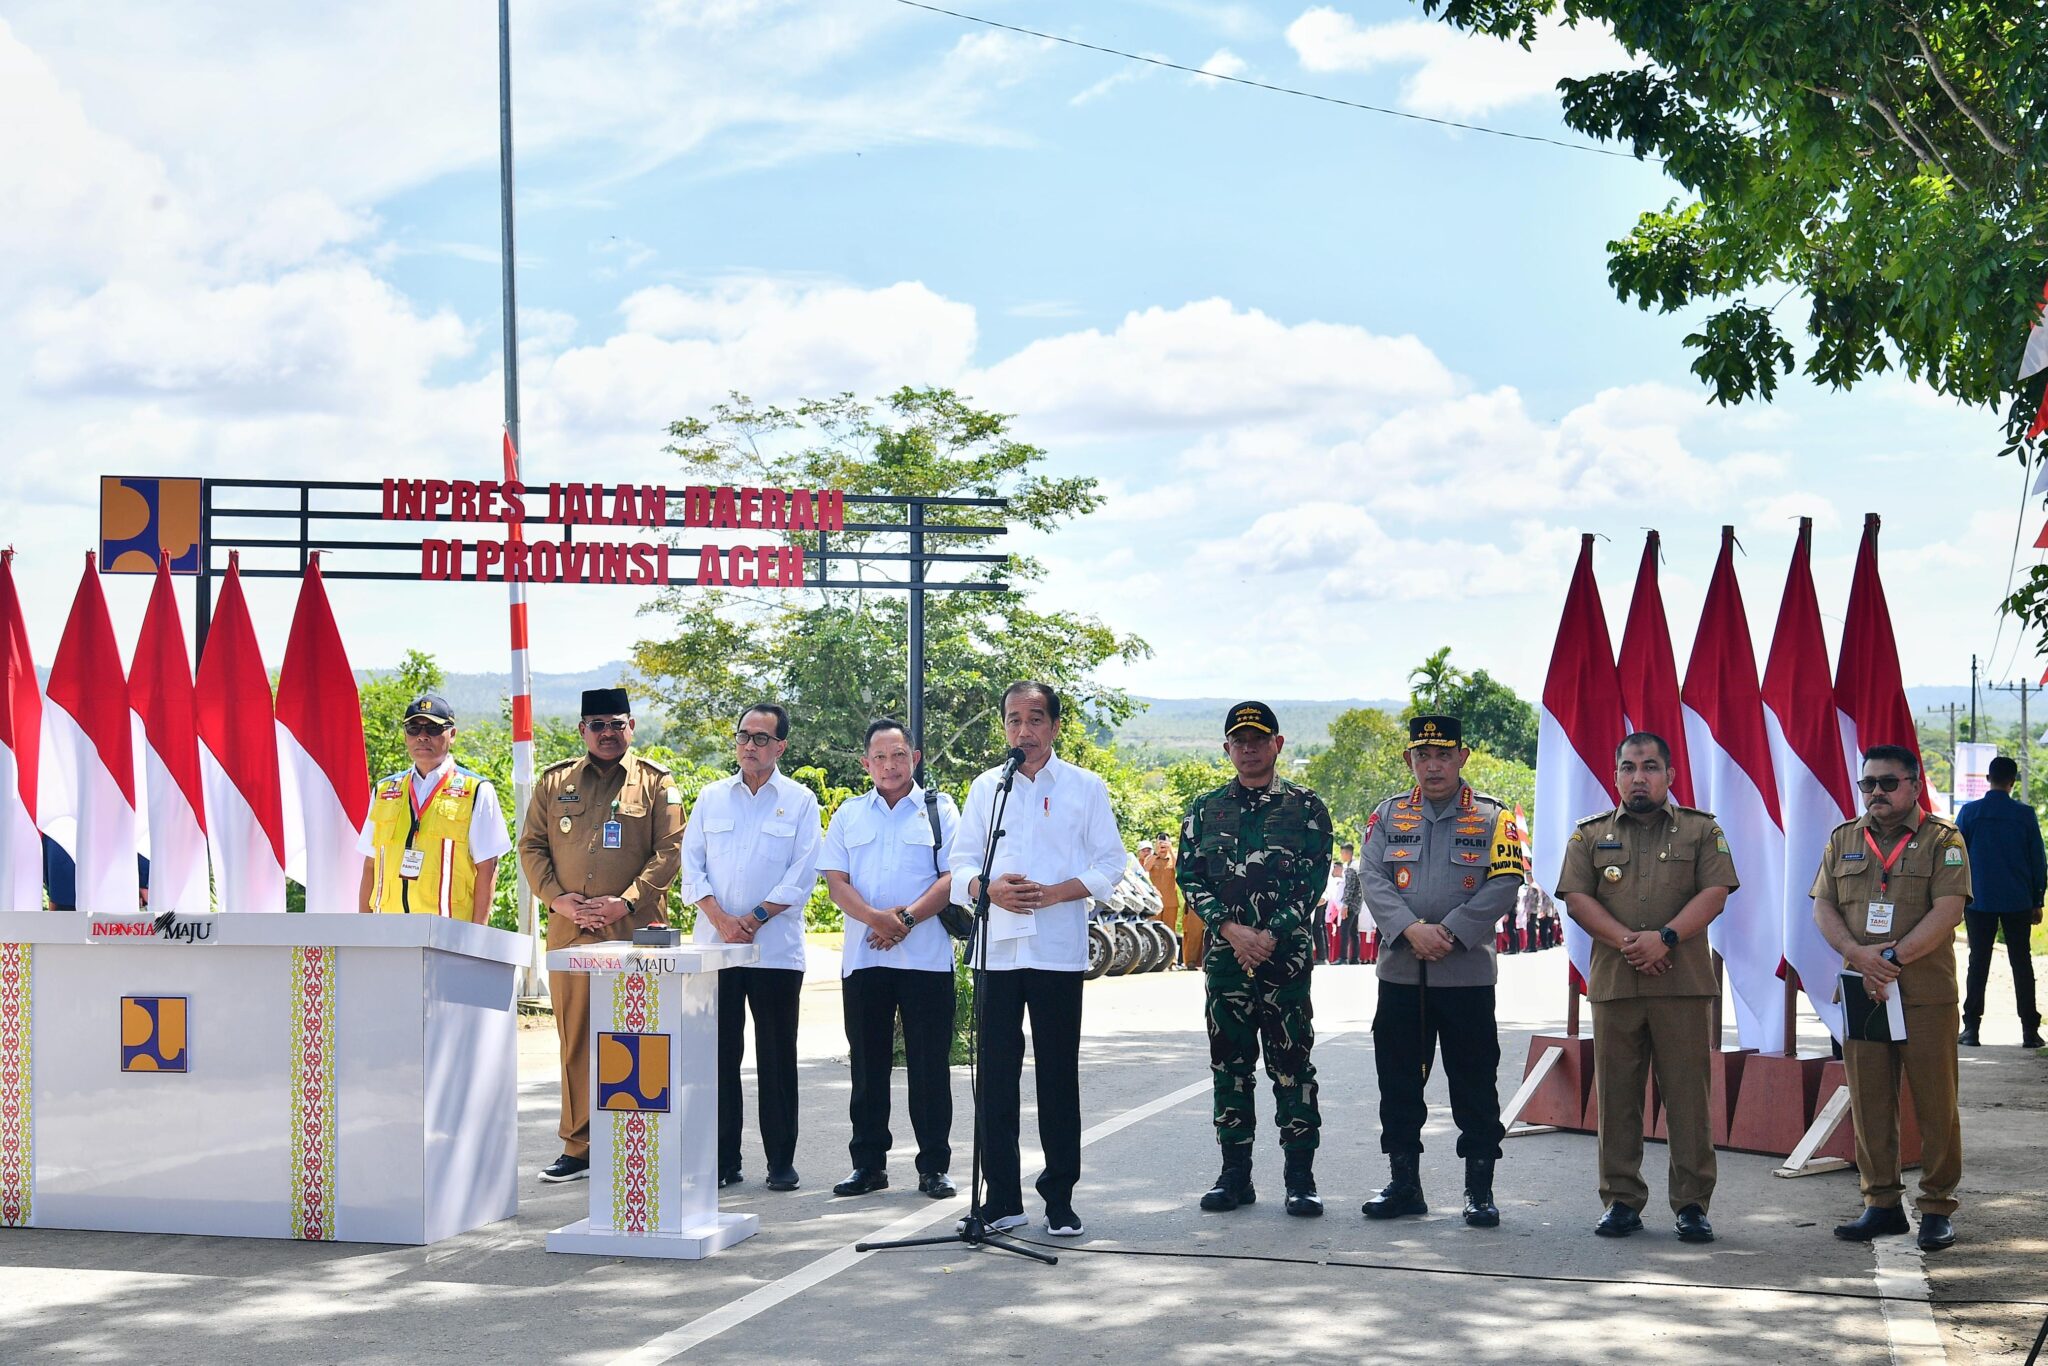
pixel 1059 848
pixel 883 862
pixel 750 859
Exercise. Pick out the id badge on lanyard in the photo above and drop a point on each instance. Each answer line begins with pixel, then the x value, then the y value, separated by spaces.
pixel 414 861
pixel 1878 915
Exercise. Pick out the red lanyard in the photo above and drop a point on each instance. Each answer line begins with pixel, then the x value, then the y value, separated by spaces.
pixel 419 808
pixel 1884 861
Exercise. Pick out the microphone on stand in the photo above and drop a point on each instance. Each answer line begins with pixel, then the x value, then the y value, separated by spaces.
pixel 1013 761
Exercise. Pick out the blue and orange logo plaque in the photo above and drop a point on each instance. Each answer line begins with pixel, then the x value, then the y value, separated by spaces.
pixel 632 1072
pixel 153 1034
pixel 142 518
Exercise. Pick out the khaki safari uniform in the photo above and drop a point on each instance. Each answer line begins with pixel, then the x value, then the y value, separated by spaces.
pixel 1933 864
pixel 562 848
pixel 1644 872
pixel 1158 864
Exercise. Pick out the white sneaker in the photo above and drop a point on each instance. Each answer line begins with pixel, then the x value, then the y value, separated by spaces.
pixel 1002 1223
pixel 1063 1223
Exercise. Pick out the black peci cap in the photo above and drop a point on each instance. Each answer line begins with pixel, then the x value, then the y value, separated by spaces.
pixel 606 702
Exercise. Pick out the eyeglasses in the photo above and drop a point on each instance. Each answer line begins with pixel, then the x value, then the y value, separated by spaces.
pixel 424 728
pixel 606 727
pixel 759 739
pixel 1887 783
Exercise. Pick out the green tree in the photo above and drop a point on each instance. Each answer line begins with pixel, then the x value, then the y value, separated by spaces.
pixel 838 657
pixel 1362 766
pixel 383 698
pixel 1878 156
pixel 1433 682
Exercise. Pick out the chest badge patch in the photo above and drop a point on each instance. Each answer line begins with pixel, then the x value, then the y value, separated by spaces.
pixel 565 825
pixel 1403 876
pixel 1612 872
pixel 1471 881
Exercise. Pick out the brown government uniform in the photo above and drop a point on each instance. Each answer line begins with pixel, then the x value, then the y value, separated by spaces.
pixel 1644 873
pixel 1933 864
pixel 561 847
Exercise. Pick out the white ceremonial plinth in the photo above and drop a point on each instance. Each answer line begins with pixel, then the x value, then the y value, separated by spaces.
pixel 654 1101
pixel 344 1078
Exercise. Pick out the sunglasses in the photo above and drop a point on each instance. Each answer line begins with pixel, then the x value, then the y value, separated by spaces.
pixel 1888 783
pixel 424 728
pixel 759 739
pixel 606 727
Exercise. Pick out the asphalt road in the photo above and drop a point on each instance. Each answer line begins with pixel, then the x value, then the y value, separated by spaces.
pixel 1154 1279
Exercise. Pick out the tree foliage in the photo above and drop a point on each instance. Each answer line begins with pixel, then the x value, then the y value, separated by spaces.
pixel 838 657
pixel 1495 719
pixel 1879 156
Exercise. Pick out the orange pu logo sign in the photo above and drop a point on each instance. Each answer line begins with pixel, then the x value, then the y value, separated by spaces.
pixel 632 1072
pixel 153 1034
pixel 143 518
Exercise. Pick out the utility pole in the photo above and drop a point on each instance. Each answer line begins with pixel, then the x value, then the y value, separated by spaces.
pixel 1973 699
pixel 1951 708
pixel 2024 689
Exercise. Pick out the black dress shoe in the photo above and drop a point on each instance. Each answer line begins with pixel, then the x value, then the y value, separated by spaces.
pixel 1693 1226
pixel 1968 1038
pixel 1876 1221
pixel 566 1168
pixel 1936 1232
pixel 863 1180
pixel 1618 1222
pixel 731 1177
pixel 782 1178
pixel 937 1185
pixel 2032 1039
pixel 859 1181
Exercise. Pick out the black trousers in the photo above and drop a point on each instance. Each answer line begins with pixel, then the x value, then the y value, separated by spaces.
pixel 1983 928
pixel 1053 1000
pixel 872 998
pixel 771 994
pixel 1347 939
pixel 1406 1029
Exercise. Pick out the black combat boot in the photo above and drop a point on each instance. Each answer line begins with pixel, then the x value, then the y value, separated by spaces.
pixel 1480 1211
pixel 1234 1184
pixel 1302 1199
pixel 1403 1194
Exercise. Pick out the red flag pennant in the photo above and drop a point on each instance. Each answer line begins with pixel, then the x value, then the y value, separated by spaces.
pixel 325 772
pixel 1649 673
pixel 236 726
pixel 1870 691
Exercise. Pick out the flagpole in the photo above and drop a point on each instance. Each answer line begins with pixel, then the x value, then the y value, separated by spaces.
pixel 522 669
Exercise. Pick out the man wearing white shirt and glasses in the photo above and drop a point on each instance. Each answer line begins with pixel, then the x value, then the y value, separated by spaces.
pixel 882 863
pixel 750 859
pixel 1059 847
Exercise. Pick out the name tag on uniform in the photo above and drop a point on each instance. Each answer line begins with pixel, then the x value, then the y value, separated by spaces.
pixel 613 833
pixel 1608 844
pixel 411 864
pixel 1877 917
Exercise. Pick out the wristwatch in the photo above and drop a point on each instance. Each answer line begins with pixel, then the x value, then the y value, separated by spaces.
pixel 760 914
pixel 1669 936
pixel 909 920
pixel 1890 955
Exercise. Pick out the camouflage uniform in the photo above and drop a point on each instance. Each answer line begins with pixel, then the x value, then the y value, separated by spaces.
pixel 1259 856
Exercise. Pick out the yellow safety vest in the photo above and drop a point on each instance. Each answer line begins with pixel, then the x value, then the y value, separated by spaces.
pixel 446 884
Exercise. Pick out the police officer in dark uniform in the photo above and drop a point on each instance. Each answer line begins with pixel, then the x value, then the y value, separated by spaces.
pixel 603 840
pixel 1442 864
pixel 1253 857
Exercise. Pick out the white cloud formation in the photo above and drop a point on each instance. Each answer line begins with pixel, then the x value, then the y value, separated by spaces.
pixel 1453 74
pixel 1224 62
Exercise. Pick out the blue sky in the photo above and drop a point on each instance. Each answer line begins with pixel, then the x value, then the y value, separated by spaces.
pixel 1354 384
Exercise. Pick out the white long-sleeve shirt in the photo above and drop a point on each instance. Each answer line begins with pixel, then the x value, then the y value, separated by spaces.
pixel 1057 826
pixel 747 848
pixel 887 854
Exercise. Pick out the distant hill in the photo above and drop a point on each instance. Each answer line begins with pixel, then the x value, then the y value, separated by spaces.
pixel 1193 723
pixel 558 696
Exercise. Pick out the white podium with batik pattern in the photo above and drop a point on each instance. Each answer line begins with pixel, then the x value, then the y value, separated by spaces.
pixel 346 1078
pixel 654 1101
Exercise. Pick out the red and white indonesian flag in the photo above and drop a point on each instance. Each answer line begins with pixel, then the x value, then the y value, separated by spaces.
pixel 87 788
pixel 167 746
pixel 238 759
pixel 1733 778
pixel 1649 673
pixel 1580 723
pixel 324 772
pixel 1870 692
pixel 21 749
pixel 1814 794
pixel 2032 362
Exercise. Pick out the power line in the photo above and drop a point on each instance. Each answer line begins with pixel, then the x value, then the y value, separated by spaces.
pixel 1282 89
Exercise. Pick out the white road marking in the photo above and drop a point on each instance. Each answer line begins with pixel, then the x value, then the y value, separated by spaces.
pixel 677 1341
pixel 1909 1326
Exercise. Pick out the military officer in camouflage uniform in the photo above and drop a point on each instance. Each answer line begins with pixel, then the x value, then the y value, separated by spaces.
pixel 1442 864
pixel 1253 855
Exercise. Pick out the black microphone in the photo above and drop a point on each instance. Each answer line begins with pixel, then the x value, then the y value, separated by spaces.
pixel 1013 761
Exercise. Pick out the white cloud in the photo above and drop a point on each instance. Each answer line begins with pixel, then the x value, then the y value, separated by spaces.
pixel 1453 74
pixel 1224 62
pixel 1122 76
